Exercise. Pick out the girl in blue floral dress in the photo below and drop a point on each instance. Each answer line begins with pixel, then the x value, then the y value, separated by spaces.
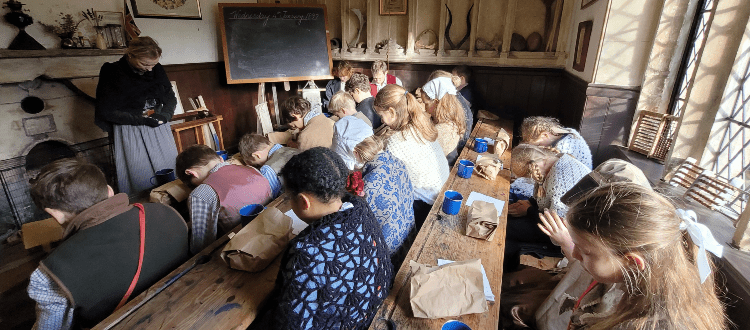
pixel 388 191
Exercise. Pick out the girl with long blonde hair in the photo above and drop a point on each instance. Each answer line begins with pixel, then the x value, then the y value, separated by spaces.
pixel 411 137
pixel 554 174
pixel 547 132
pixel 439 97
pixel 632 240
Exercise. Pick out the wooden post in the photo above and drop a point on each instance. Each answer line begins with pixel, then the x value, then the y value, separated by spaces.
pixel 741 237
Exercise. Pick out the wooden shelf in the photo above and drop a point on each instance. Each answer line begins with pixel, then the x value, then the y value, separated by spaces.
pixel 54 63
pixel 489 18
pixel 8 53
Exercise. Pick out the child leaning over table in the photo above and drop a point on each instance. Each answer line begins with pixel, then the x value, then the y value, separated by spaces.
pixel 343 104
pixel 388 191
pixel 316 130
pixel 336 273
pixel 412 138
pixel 381 78
pixel 87 276
pixel 359 88
pixel 349 130
pixel 222 189
pixel 337 84
pixel 258 151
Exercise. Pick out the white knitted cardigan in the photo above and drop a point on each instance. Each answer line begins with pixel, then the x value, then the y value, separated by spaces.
pixel 574 144
pixel 428 169
pixel 563 175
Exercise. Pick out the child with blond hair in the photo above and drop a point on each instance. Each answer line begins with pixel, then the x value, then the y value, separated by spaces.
pixel 648 261
pixel 547 132
pixel 350 129
pixel 412 138
pixel 554 174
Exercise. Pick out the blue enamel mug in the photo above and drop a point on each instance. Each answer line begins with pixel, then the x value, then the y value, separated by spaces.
pixel 163 177
pixel 465 168
pixel 455 325
pixel 480 145
pixel 452 202
pixel 249 212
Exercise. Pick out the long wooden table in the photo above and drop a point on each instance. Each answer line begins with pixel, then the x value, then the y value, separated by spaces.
pixel 210 296
pixel 443 237
pixel 213 296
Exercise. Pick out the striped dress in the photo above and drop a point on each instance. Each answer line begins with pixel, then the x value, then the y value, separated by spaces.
pixel 140 151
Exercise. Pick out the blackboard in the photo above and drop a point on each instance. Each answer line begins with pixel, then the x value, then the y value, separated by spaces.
pixel 267 43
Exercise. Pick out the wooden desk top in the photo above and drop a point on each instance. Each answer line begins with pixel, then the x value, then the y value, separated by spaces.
pixel 210 296
pixel 443 237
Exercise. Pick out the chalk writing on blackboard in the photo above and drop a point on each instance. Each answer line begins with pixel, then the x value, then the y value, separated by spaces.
pixel 282 15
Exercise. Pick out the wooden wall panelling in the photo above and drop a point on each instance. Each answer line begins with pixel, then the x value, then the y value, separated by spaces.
pixel 551 99
pixel 572 100
pixel 606 118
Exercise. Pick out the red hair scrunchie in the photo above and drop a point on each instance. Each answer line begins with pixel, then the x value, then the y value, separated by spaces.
pixel 355 184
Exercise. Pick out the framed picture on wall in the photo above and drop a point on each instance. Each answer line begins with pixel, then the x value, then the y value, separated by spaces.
pixel 392 7
pixel 582 45
pixel 180 9
pixel 586 3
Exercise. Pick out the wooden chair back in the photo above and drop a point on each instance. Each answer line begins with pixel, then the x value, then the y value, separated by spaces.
pixel 686 173
pixel 712 191
pixel 654 134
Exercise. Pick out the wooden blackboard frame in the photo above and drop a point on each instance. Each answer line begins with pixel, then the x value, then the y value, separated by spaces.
pixel 222 26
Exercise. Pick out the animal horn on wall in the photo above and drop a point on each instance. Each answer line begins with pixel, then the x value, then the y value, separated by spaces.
pixel 448 28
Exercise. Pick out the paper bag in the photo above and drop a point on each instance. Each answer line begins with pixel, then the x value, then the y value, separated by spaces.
pixel 482 220
pixel 280 137
pixel 254 247
pixel 488 167
pixel 42 232
pixel 450 290
pixel 502 141
pixel 178 190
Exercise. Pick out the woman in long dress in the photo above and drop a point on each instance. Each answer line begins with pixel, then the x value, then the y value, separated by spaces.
pixel 127 90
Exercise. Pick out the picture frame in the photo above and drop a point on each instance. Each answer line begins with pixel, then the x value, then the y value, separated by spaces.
pixel 586 3
pixel 393 7
pixel 582 45
pixel 176 9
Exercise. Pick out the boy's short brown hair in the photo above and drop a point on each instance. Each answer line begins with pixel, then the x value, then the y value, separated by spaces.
pixel 295 105
pixel 379 66
pixel 341 100
pixel 462 71
pixel 70 185
pixel 250 143
pixel 194 156
pixel 358 81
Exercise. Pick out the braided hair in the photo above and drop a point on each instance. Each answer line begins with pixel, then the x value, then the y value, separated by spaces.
pixel 318 171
